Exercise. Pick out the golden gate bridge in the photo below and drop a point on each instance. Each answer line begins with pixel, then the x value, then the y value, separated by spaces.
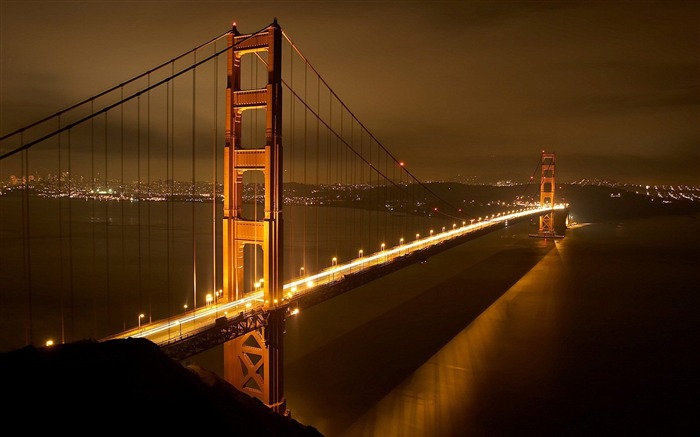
pixel 155 209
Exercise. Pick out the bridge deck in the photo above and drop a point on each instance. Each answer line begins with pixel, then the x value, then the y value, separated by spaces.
pixel 203 328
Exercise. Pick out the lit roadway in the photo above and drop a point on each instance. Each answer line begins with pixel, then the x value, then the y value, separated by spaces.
pixel 184 324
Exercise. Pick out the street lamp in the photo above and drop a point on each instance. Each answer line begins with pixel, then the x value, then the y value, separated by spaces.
pixel 301 271
pixel 360 253
pixel 209 298
pixel 179 323
pixel 141 316
pixel 334 262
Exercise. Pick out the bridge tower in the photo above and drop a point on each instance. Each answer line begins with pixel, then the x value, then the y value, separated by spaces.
pixel 547 187
pixel 253 362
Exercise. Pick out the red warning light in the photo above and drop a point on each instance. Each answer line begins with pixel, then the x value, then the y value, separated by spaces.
pixel 401 163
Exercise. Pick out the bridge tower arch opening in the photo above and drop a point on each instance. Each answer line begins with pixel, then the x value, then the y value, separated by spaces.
pixel 253 363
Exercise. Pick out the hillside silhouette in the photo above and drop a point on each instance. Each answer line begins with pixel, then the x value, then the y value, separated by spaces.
pixel 127 386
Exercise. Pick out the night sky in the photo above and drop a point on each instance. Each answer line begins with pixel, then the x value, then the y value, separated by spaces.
pixel 454 88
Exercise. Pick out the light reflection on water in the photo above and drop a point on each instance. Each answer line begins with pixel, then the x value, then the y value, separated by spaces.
pixel 440 397
pixel 598 337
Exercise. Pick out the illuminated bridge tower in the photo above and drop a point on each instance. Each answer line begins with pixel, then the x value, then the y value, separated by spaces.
pixel 252 245
pixel 547 186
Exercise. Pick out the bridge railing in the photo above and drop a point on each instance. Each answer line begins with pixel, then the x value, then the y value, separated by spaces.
pixel 243 315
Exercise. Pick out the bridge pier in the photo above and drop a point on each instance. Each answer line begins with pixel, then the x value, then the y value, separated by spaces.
pixel 254 362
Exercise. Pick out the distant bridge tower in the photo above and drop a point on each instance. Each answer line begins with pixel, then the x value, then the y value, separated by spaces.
pixel 253 362
pixel 547 187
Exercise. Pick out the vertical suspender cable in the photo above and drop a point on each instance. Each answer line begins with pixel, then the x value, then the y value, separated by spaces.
pixel 139 199
pixel 354 203
pixel 290 219
pixel 213 172
pixel 108 287
pixel 388 192
pixel 394 199
pixel 338 166
pixel 60 238
pixel 171 188
pixel 93 282
pixel 26 230
pixel 304 212
pixel 318 151
pixel 192 188
pixel 168 202
pixel 148 207
pixel 70 241
pixel 375 192
pixel 361 190
pixel 121 208
pixel 329 186
pixel 254 137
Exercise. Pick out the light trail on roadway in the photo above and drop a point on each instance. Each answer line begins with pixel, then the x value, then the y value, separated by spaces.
pixel 173 329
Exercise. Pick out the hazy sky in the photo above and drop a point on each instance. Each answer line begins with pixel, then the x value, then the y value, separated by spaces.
pixel 452 87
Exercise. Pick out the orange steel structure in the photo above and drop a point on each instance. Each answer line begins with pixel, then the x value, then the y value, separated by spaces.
pixel 253 362
pixel 547 188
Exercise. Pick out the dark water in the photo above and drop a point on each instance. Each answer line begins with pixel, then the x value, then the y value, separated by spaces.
pixel 87 269
pixel 595 334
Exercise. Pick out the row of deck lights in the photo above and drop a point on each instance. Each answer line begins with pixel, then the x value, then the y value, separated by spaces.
pixel 334 260
pixel 334 263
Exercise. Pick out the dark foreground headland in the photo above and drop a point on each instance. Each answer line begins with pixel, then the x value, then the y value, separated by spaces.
pixel 127 386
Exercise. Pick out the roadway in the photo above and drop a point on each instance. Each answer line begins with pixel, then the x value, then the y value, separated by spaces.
pixel 189 323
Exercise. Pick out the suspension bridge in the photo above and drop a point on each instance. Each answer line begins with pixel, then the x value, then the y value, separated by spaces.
pixel 155 209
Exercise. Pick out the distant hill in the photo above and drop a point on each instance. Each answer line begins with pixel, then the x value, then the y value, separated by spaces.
pixel 592 203
pixel 127 387
pixel 599 203
pixel 588 202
